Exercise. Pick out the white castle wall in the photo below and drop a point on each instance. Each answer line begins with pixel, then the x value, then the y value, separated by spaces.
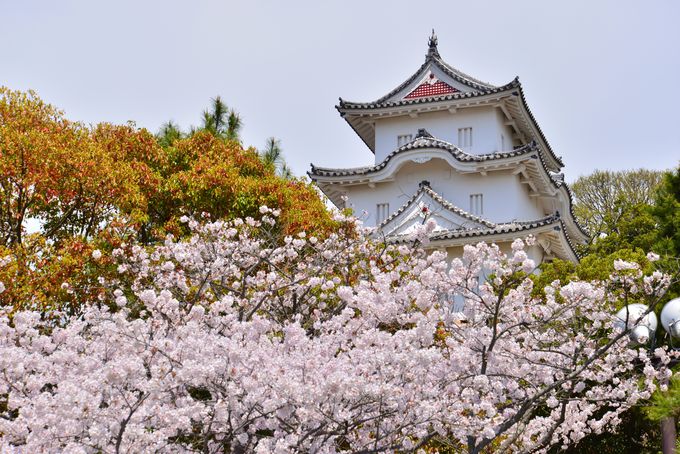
pixel 487 125
pixel 505 198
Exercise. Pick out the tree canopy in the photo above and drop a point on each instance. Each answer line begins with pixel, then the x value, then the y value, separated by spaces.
pixel 231 341
pixel 603 197
pixel 96 187
pixel 628 213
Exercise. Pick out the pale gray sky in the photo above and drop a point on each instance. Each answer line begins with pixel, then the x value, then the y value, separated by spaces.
pixel 599 76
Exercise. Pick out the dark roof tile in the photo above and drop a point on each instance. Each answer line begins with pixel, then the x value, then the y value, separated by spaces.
pixel 422 142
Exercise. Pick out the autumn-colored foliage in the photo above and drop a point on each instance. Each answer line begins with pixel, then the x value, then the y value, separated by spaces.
pixel 106 186
pixel 204 174
pixel 50 170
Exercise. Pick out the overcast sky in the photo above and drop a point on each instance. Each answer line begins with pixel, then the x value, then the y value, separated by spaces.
pixel 601 77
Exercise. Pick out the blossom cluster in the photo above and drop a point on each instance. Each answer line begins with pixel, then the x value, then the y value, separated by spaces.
pixel 236 340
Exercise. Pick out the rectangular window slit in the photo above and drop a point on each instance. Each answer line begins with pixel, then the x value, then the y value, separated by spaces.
pixel 477 204
pixel 383 211
pixel 403 139
pixel 465 138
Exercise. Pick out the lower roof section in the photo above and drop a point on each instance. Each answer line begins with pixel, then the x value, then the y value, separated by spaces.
pixel 550 232
pixel 526 161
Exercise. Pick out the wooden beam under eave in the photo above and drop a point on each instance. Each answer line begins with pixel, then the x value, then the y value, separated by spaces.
pixel 530 183
pixel 504 109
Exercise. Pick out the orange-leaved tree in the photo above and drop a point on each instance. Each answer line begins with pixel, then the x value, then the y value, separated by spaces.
pixel 87 190
pixel 206 175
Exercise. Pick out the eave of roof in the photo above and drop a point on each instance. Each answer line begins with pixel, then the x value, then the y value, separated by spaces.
pixel 422 143
pixel 345 106
pixel 318 173
pixel 514 228
pixel 525 106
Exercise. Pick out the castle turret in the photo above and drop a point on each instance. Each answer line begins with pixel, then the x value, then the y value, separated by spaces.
pixel 491 174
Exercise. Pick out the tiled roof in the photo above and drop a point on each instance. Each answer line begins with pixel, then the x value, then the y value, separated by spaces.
pixel 558 159
pixel 425 140
pixel 420 143
pixel 499 229
pixel 427 89
pixel 433 57
pixel 479 88
pixel 426 189
pixel 505 227
pixel 384 103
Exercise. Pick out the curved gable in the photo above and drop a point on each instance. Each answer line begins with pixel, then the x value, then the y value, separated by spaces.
pixel 426 203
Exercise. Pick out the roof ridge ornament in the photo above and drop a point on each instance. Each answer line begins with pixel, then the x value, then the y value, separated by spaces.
pixel 432 45
pixel 422 132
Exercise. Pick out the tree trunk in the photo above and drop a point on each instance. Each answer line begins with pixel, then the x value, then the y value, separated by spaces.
pixel 668 435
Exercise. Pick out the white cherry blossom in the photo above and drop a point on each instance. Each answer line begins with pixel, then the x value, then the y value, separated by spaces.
pixel 235 341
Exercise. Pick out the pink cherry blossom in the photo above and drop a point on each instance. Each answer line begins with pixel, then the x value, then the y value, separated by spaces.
pixel 237 340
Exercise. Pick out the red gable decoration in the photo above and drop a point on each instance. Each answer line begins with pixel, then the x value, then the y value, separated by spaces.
pixel 431 89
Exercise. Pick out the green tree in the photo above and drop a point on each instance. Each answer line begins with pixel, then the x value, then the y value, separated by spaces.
pixel 221 121
pixel 602 197
pixel 666 212
pixel 272 156
pixel 631 213
pixel 168 134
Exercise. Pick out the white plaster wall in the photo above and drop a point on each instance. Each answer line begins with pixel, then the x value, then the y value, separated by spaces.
pixel 486 123
pixel 505 198
pixel 505 131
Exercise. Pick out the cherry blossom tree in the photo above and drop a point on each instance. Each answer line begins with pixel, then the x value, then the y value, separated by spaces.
pixel 234 342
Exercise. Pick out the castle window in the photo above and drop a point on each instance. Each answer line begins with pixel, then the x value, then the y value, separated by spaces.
pixel 403 139
pixel 465 138
pixel 502 142
pixel 382 212
pixel 477 203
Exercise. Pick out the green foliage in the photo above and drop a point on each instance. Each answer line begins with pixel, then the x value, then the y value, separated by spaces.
pixel 666 212
pixel 221 121
pixel 640 212
pixel 602 197
pixel 665 403
pixel 168 134
pixel 629 213
pixel 635 435
pixel 591 267
pixel 272 156
pixel 634 229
